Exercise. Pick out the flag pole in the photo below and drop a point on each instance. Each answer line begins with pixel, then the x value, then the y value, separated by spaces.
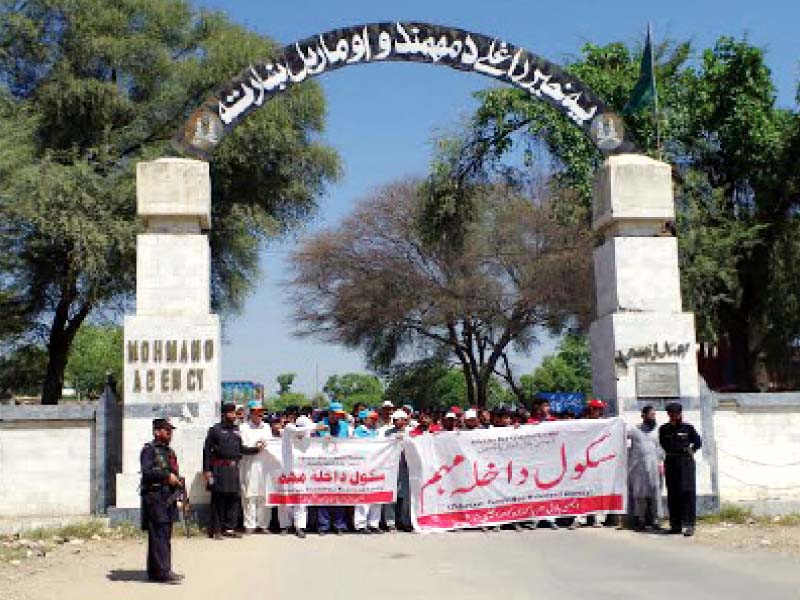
pixel 656 114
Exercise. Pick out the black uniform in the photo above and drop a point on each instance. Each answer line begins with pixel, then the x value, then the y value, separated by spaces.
pixel 221 454
pixel 679 443
pixel 159 507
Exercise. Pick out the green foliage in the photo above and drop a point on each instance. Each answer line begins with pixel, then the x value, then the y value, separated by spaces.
pixel 89 88
pixel 416 383
pixel 22 371
pixel 286 397
pixel 433 384
pixel 569 370
pixel 737 181
pixel 285 381
pixel 351 388
pixel 281 401
pixel 96 352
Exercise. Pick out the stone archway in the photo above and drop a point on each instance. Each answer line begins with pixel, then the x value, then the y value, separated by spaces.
pixel 643 345
pixel 408 42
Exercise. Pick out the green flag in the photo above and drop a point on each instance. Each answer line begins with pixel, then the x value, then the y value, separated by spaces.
pixel 645 91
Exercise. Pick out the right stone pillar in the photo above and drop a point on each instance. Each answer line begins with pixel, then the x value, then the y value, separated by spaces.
pixel 643 343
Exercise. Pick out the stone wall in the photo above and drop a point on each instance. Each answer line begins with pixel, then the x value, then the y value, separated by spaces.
pixel 758 450
pixel 60 460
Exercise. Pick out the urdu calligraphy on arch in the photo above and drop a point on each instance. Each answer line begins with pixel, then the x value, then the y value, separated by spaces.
pixel 399 41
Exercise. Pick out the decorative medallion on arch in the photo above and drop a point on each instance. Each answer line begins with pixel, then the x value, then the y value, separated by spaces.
pixel 401 41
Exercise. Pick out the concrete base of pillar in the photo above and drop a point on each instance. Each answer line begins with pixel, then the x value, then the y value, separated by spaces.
pixel 621 341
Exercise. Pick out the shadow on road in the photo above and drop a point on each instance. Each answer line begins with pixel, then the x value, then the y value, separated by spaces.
pixel 126 575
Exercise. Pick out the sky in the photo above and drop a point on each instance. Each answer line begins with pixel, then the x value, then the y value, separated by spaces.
pixel 382 119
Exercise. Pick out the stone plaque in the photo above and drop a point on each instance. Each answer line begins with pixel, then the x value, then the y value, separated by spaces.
pixel 657 380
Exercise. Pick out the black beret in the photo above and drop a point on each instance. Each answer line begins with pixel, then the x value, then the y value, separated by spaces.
pixel 162 424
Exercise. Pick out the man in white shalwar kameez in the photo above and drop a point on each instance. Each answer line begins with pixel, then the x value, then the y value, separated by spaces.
pixel 645 479
pixel 253 471
pixel 302 427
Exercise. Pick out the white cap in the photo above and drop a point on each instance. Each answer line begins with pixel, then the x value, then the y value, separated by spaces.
pixel 303 422
pixel 471 414
pixel 387 404
pixel 399 414
pixel 450 415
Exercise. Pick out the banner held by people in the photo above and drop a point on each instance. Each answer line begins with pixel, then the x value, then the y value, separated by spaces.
pixel 501 475
pixel 333 471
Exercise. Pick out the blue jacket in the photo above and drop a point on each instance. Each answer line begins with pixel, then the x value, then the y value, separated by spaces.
pixel 362 431
pixel 344 429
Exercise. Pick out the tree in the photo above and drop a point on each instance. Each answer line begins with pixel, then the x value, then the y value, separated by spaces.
pixel 569 370
pixel 737 181
pixel 434 384
pixel 286 397
pixel 88 89
pixel 21 371
pixel 96 352
pixel 375 283
pixel 285 381
pixel 352 388
pixel 417 383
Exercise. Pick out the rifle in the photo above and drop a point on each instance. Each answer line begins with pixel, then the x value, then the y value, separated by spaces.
pixel 181 496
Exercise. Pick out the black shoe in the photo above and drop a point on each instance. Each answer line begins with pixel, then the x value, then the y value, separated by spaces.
pixel 322 532
pixel 364 531
pixel 689 532
pixel 674 532
pixel 231 534
pixel 301 533
pixel 377 530
pixel 391 528
pixel 168 579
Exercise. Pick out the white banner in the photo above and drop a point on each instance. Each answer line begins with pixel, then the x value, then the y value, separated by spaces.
pixel 335 471
pixel 495 476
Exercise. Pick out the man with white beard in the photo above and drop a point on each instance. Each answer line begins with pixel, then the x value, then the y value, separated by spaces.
pixel 253 471
pixel 645 479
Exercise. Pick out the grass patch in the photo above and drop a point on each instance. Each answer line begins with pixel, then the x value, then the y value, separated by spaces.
pixel 743 515
pixel 83 531
pixel 730 513
pixel 43 541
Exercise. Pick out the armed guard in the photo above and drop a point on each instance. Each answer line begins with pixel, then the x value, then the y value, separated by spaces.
pixel 159 487
pixel 221 454
pixel 680 441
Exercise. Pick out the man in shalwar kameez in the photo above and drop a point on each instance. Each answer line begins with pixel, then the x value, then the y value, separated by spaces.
pixel 645 479
pixel 253 471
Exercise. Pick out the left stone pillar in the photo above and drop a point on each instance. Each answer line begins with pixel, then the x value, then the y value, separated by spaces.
pixel 172 343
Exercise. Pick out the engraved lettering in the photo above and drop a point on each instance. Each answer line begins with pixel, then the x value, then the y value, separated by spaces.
pixel 133 351
pixel 171 350
pixel 195 350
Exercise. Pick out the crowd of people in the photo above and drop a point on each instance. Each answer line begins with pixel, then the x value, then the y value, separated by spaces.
pixel 255 428
pixel 235 477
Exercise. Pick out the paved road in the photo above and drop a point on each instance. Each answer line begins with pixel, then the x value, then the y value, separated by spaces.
pixel 591 564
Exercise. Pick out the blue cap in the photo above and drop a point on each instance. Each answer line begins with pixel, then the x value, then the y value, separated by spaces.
pixel 254 404
pixel 363 414
pixel 336 407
